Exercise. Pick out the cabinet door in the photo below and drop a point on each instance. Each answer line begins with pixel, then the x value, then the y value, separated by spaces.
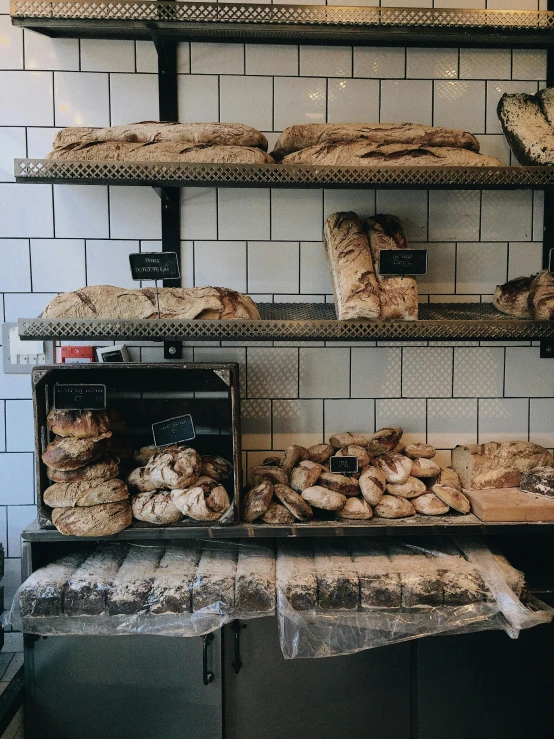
pixel 486 686
pixel 360 696
pixel 122 687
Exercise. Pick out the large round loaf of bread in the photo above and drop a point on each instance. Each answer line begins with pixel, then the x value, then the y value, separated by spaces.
pixel 227 134
pixel 104 468
pixel 157 508
pixel 512 298
pixel 105 519
pixel 94 492
pixel 78 424
pixel 67 453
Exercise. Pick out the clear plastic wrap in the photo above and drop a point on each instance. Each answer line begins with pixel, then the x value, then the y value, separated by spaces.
pixel 175 590
pixel 343 597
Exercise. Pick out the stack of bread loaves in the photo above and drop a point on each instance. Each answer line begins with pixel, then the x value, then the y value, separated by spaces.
pixel 528 124
pixel 87 497
pixel 175 482
pixel 153 141
pixel 352 250
pixel 379 145
pixel 527 297
pixel 393 481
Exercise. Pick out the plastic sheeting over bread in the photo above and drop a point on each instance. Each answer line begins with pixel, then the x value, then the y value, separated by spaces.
pixel 177 590
pixel 336 598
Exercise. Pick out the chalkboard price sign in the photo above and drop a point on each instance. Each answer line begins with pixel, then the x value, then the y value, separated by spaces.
pixel 173 431
pixel 403 262
pixel 343 465
pixel 158 265
pixel 79 397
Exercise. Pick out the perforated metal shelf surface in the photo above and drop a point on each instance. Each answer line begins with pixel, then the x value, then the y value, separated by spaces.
pixel 302 322
pixel 285 23
pixel 279 175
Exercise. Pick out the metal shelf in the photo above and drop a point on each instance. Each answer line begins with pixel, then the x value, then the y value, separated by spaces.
pixel 233 22
pixel 300 322
pixel 415 526
pixel 171 174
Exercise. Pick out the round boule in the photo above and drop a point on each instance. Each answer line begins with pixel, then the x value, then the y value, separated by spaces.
pixel 356 508
pixel 372 485
pixel 78 424
pixel 430 505
pixel 339 440
pixel 320 452
pixel 292 456
pixel 353 450
pixel 339 483
pixel 143 455
pixel 294 502
pixel 452 497
pixel 256 501
pixel 423 467
pixel 105 519
pixel 384 440
pixel 449 478
pixel 304 476
pixel 277 513
pixel 274 474
pixel 174 467
pixel 192 502
pixel 93 492
pixel 157 508
pixel 67 453
pixel 217 499
pixel 218 468
pixel 395 467
pixel 409 489
pixel 140 480
pixel 419 449
pixel 103 469
pixel 320 497
pixel 392 507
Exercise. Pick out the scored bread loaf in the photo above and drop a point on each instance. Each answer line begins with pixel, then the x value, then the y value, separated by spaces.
pixel 530 136
pixel 68 453
pixel 541 296
pixel 106 301
pixel 156 508
pixel 104 519
pixel 120 151
pixel 150 132
pixel 307 135
pixel 361 154
pixel 104 468
pixel 350 263
pixel 93 492
pixel 497 464
pixel 398 295
pixel 78 424
pixel 512 298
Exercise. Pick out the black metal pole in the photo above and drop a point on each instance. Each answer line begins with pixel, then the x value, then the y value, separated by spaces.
pixel 547 347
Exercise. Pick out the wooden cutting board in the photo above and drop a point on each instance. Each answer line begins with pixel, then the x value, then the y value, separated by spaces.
pixel 510 504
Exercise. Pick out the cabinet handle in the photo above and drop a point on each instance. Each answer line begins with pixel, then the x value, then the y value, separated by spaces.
pixel 207 676
pixel 236 664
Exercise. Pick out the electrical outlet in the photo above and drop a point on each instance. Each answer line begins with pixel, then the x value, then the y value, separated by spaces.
pixel 19 357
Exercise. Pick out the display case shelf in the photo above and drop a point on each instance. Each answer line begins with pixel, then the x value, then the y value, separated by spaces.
pixel 300 322
pixel 184 174
pixel 415 526
pixel 237 22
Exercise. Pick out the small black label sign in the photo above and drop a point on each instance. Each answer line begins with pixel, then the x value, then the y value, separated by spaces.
pixel 173 431
pixel 551 261
pixel 157 265
pixel 79 397
pixel 343 465
pixel 403 262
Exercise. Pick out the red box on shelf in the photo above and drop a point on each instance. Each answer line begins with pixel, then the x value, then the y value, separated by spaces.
pixel 77 354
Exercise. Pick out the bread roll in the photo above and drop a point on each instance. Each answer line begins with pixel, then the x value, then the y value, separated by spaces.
pixel 453 498
pixel 421 450
pixel 320 497
pixel 304 476
pixel 256 501
pixel 106 301
pixel 384 440
pixel 303 136
pixel 530 136
pixel 320 453
pixel 423 467
pixel 356 508
pixel 448 478
pixel 395 467
pixel 350 263
pixel 278 514
pixel 174 467
pixel 79 424
pixel 216 467
pixel 339 483
pixel 142 456
pixel 392 507
pixel 294 502
pixel 97 520
pixel 372 484
pixel 398 295
pixel 157 508
pixel 94 492
pixel 67 453
pixel 293 455
pixel 139 480
pixel 192 502
pixel 345 439
pixel 364 458
pixel 541 296
pixel 430 505
pixel 104 468
pixel 409 489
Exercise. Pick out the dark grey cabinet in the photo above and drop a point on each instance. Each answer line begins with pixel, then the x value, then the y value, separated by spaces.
pixel 360 696
pixel 122 687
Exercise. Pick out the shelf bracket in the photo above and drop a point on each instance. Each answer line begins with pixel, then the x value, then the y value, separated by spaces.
pixel 547 347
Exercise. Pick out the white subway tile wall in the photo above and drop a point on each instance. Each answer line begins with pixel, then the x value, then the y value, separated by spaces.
pixel 268 243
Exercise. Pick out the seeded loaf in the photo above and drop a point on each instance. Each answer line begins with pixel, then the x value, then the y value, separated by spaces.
pixel 497 464
pixel 106 301
pixel 398 295
pixel 337 577
pixel 131 586
pixel 350 263
pixel 421 581
pixel 94 492
pixel 151 132
pixel 86 589
pixel 303 136
pixel 104 519
pixel 462 583
pixel 213 588
pixel 42 592
pixel 255 581
pixel 172 583
pixel 379 586
pixel 530 136
pixel 296 575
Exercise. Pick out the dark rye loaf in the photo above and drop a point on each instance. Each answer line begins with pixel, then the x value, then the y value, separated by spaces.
pixel 86 590
pixel 42 592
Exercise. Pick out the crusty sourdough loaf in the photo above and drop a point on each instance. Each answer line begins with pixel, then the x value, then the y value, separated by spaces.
pixel 512 297
pixel 306 135
pixel 106 301
pixel 497 464
pixel 119 151
pixel 97 520
pixel 157 508
pixel 150 132
pixel 361 154
pixel 350 263
pixel 93 492
pixel 530 136
pixel 545 99
pixel 398 296
pixel 104 468
pixel 67 453
pixel 79 424
pixel 541 296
